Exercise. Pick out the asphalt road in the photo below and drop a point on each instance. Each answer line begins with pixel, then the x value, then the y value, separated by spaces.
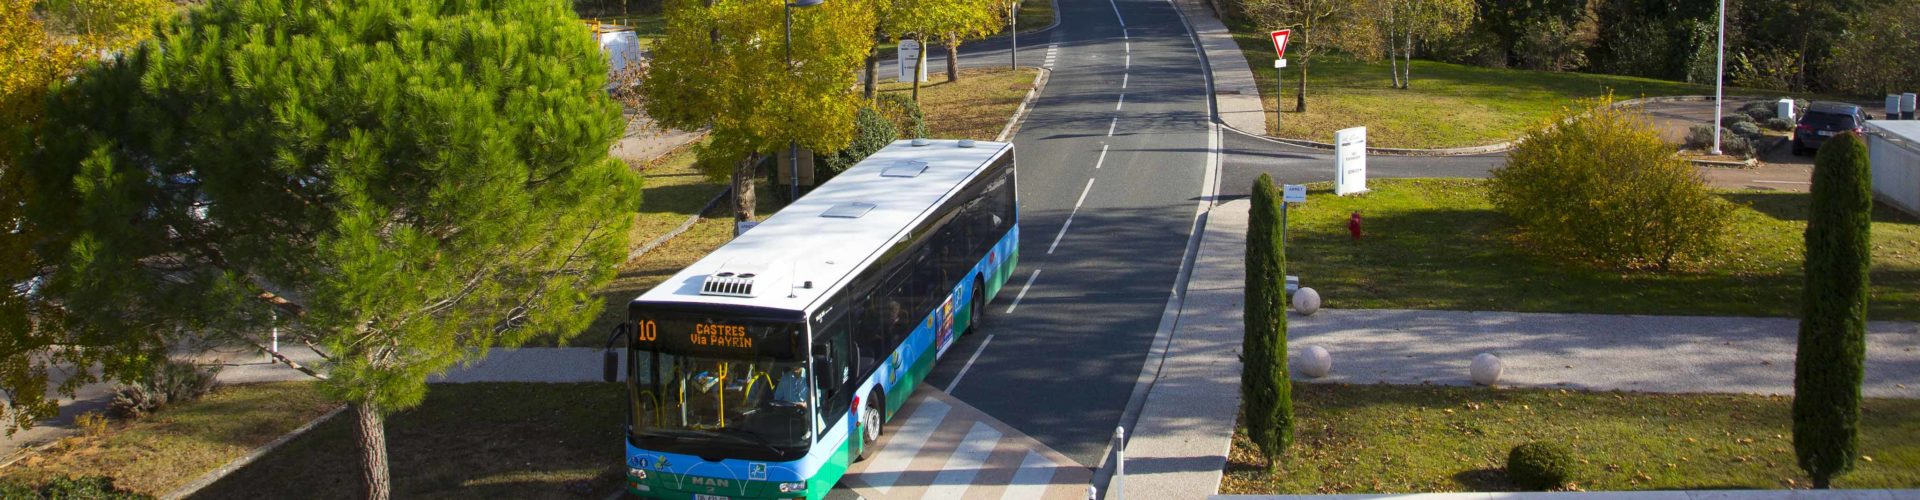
pixel 1245 157
pixel 1112 159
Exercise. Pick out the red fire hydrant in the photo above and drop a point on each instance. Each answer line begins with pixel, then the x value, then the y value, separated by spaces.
pixel 1353 225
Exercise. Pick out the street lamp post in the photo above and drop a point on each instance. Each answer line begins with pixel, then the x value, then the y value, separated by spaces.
pixel 1013 17
pixel 793 147
pixel 1719 76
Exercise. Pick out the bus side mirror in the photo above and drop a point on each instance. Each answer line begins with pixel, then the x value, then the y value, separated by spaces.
pixel 610 366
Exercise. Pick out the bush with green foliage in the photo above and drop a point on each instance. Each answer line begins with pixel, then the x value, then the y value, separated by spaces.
pixel 1541 465
pixel 1266 392
pixel 870 133
pixel 1700 136
pixel 170 383
pixel 1833 321
pixel 69 488
pixel 1735 119
pixel 1737 145
pixel 1759 111
pixel 908 122
pixel 1780 124
pixel 1749 130
pixel 1601 187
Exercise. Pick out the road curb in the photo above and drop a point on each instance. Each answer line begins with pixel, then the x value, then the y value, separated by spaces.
pixel 1020 113
pixel 216 475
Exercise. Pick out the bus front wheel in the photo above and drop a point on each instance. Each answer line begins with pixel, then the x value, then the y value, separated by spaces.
pixel 869 426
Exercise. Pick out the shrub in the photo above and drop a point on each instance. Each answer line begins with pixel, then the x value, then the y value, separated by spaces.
pixel 1833 319
pixel 1699 137
pixel 1602 187
pixel 1736 145
pixel 1735 119
pixel 1265 391
pixel 91 423
pixel 11 490
pixel 86 488
pixel 1759 111
pixel 171 382
pixel 905 114
pixel 870 133
pixel 1748 130
pixel 1541 465
pixel 1780 124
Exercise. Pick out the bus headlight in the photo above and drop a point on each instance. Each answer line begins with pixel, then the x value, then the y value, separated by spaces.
pixel 637 474
pixel 793 487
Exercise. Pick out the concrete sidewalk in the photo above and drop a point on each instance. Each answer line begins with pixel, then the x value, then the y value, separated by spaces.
pixel 1186 426
pixel 1617 495
pixel 1235 92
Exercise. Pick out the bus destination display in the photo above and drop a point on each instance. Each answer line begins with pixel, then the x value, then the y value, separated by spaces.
pixel 722 336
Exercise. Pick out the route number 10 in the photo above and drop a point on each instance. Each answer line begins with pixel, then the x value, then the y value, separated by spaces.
pixel 646 331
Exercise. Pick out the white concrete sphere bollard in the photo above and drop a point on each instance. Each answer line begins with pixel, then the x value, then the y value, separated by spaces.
pixel 1315 361
pixel 1486 369
pixel 1306 301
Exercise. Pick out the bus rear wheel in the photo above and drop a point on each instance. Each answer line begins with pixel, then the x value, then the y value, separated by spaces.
pixel 979 309
pixel 869 426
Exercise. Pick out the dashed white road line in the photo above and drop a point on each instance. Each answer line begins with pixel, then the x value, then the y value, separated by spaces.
pixel 1110 126
pixel 1059 235
pixel 1022 294
pixel 969 365
pixel 1129 64
pixel 1083 199
pixel 1103 157
pixel 1121 102
pixel 1117 16
pixel 1069 223
pixel 1123 80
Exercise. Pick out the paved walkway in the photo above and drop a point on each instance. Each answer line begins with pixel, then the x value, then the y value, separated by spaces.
pixel 1619 495
pixel 1235 92
pixel 1186 426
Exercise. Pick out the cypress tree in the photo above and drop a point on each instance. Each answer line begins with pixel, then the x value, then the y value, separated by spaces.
pixel 1833 320
pixel 1266 394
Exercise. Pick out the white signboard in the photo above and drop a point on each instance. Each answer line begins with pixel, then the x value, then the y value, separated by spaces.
pixel 1350 161
pixel 909 61
pixel 1293 193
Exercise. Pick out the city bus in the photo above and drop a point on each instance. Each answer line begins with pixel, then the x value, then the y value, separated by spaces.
pixel 767 367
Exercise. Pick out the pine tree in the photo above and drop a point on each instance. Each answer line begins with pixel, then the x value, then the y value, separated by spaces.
pixel 1833 320
pixel 400 184
pixel 1266 391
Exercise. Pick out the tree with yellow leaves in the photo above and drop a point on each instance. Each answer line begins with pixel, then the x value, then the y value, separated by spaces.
pixel 723 64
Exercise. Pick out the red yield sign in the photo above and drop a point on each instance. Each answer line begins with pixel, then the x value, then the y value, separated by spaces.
pixel 1280 43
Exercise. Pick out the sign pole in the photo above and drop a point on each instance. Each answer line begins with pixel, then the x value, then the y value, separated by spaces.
pixel 1279 77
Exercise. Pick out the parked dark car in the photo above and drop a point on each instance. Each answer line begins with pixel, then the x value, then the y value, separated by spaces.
pixel 1823 120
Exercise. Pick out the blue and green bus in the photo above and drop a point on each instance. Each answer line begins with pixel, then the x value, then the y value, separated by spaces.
pixel 767 367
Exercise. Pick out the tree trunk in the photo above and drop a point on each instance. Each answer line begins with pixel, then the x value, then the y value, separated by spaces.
pixel 953 58
pixel 371 432
pixel 1393 58
pixel 919 67
pixel 744 200
pixel 873 70
pixel 1300 95
pixel 1406 80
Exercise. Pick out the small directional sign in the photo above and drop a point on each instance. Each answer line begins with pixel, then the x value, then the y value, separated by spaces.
pixel 1293 193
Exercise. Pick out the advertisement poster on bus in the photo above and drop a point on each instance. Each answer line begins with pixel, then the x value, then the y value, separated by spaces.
pixel 943 326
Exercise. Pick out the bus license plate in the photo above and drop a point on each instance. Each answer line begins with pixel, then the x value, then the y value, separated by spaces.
pixel 697 496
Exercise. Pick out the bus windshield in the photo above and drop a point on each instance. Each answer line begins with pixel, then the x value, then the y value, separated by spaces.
pixel 705 383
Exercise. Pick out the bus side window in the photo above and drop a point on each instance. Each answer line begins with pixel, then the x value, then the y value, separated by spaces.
pixel 835 376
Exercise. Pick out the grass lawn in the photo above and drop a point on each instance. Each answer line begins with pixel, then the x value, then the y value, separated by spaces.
pixel 167 450
pixel 466 441
pixel 1438 244
pixel 1384 438
pixel 1450 105
pixel 976 107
